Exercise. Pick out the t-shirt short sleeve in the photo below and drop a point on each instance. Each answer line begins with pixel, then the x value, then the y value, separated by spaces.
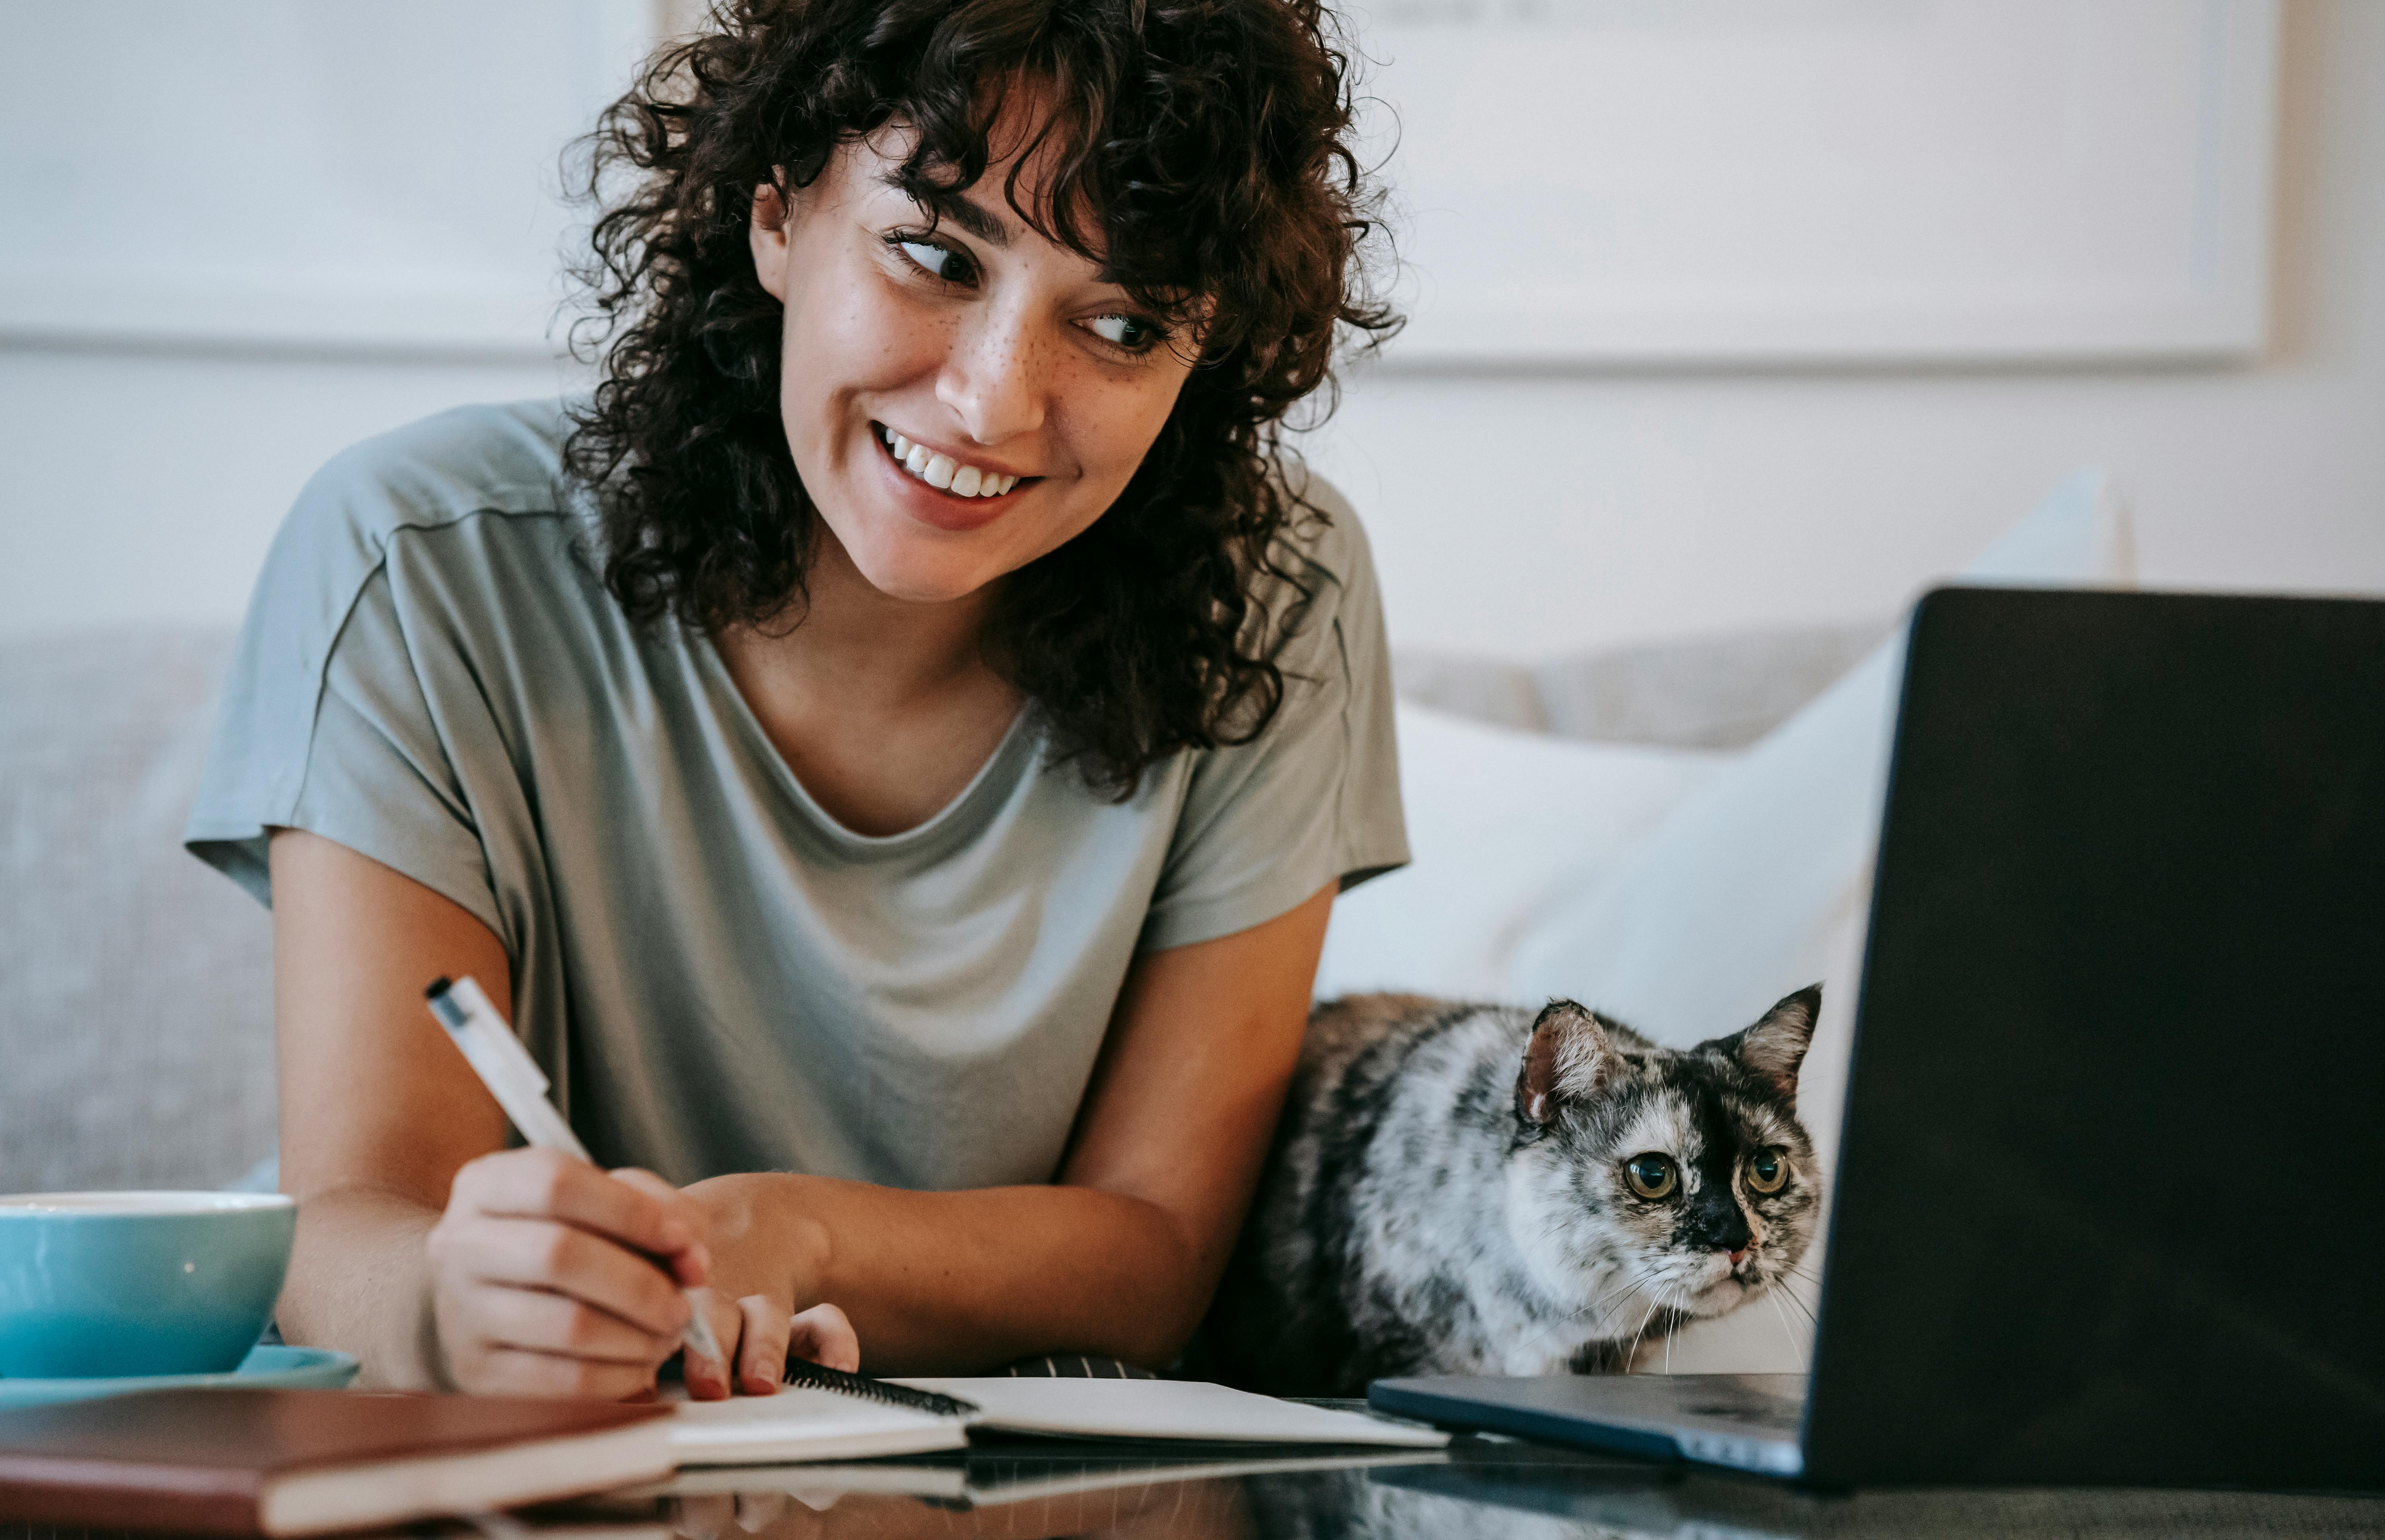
pixel 1314 797
pixel 325 722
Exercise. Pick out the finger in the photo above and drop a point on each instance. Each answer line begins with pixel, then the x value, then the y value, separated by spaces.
pixel 822 1335
pixel 708 1379
pixel 758 1511
pixel 762 1350
pixel 535 1321
pixel 512 1371
pixel 691 1263
pixel 548 1184
pixel 531 1253
pixel 703 1517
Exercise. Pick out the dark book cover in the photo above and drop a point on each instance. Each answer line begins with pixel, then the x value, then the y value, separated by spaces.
pixel 210 1460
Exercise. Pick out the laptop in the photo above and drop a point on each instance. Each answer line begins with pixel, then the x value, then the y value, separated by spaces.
pixel 2110 1197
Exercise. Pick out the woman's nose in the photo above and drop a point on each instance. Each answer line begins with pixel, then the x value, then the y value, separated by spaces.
pixel 995 379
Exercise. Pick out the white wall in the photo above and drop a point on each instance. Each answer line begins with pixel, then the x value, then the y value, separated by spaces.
pixel 1514 514
pixel 1520 514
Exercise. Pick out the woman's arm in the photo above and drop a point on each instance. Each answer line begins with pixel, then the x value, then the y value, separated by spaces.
pixel 1121 1256
pixel 436 1260
pixel 439 1260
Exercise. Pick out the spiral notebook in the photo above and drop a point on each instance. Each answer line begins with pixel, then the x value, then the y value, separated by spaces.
pixel 824 1415
pixel 996 1478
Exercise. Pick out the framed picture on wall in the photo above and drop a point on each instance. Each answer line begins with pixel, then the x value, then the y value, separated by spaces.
pixel 1657 182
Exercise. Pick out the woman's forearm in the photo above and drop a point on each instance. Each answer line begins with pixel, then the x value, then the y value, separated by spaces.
pixel 359 1282
pixel 959 1282
pixel 1118 1258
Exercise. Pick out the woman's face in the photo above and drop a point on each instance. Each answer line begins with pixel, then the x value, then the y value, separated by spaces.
pixel 958 403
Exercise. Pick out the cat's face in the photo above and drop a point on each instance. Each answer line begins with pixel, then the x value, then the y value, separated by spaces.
pixel 1648 1180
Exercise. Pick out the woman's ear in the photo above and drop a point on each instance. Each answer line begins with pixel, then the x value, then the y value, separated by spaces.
pixel 769 233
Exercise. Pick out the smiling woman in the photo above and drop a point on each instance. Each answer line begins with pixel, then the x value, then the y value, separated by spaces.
pixel 892 747
pixel 1182 171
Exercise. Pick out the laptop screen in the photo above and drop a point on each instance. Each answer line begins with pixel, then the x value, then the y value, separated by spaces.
pixel 2111 1196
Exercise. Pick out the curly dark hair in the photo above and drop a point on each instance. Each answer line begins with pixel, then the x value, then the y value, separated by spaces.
pixel 1197 150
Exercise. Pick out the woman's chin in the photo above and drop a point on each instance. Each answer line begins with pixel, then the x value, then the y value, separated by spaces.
pixel 900 570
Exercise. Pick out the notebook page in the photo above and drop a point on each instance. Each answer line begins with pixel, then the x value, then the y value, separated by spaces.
pixel 1169 1408
pixel 803 1425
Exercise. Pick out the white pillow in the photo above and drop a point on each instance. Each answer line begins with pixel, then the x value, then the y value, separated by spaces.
pixel 1501 823
pixel 1756 884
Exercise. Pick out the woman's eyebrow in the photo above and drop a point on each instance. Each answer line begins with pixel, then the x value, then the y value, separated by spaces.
pixel 976 221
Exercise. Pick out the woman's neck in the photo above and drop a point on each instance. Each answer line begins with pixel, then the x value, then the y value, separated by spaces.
pixel 858 644
pixel 883 708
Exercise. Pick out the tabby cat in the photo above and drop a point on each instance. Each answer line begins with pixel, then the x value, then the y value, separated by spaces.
pixel 1473 1189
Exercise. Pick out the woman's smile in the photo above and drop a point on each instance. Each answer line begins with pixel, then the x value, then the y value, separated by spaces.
pixel 937 487
pixel 946 472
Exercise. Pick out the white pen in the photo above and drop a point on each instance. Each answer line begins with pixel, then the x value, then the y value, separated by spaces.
pixel 514 1078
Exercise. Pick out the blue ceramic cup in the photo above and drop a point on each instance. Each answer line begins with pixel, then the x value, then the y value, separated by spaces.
pixel 101 1283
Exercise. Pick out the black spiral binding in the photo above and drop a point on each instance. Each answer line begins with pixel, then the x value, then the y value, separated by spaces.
pixel 802 1371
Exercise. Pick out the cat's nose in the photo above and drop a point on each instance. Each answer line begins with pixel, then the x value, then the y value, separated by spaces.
pixel 1742 1254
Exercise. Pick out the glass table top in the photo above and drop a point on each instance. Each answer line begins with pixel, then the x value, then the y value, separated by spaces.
pixel 1479 1488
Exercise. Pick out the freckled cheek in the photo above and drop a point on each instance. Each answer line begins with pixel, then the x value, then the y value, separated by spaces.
pixel 1111 424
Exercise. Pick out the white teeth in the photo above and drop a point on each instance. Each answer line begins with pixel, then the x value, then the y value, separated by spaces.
pixel 945 473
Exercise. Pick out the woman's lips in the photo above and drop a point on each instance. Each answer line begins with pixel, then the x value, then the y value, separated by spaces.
pixel 947 472
pixel 933 506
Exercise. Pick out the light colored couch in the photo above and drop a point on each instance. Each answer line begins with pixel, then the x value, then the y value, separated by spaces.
pixel 135 984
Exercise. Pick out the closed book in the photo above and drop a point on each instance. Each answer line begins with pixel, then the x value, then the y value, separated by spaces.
pixel 313 1462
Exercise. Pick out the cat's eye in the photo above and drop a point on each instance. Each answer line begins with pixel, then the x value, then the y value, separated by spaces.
pixel 1766 1172
pixel 1651 1175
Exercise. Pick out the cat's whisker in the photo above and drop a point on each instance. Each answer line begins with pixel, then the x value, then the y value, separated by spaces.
pixel 1633 1352
pixel 1619 1294
pixel 1804 1354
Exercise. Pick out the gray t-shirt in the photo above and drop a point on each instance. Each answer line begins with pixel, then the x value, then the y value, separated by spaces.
pixel 717 975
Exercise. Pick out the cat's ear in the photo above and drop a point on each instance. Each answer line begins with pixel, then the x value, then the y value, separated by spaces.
pixel 1774 1048
pixel 1568 1057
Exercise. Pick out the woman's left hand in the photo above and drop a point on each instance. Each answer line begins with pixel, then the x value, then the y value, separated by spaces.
pixel 759 1336
pixel 763 1307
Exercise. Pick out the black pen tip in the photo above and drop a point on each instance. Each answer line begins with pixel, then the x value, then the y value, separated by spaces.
pixel 439 986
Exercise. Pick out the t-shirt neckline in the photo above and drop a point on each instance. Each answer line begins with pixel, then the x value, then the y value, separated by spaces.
pixel 997 772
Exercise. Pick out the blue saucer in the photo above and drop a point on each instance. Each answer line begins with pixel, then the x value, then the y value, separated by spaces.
pixel 265 1368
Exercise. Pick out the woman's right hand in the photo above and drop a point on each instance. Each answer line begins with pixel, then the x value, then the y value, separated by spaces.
pixel 550 1277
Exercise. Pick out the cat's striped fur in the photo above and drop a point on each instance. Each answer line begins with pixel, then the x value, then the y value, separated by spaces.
pixel 1447 1194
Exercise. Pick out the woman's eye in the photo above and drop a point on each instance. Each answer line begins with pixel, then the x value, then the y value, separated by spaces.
pixel 1768 1171
pixel 1651 1175
pixel 1125 332
pixel 940 261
